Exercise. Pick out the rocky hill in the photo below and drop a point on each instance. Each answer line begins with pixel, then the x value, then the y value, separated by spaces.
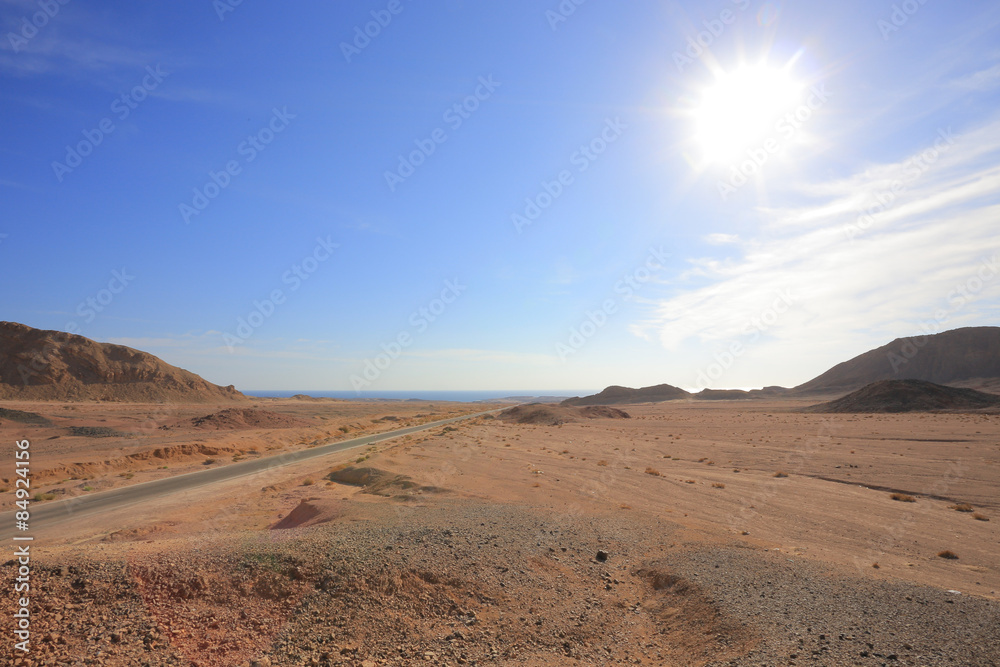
pixel 960 356
pixel 39 365
pixel 616 395
pixel 553 415
pixel 909 396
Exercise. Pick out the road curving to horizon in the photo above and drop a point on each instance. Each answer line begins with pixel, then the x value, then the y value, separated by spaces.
pixel 47 514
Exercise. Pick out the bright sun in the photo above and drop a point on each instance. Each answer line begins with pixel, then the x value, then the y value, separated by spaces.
pixel 739 110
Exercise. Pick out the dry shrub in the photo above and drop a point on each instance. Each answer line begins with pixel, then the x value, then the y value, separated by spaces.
pixel 602 463
pixel 781 474
pixel 950 555
pixel 652 471
pixel 903 498
pixel 961 507
pixel 689 481
pixel 718 485
pixel 980 517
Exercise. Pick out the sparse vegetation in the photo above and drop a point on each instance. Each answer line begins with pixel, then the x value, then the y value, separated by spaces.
pixel 210 461
pixel 88 487
pixel 127 475
pixel 44 496
pixel 308 482
pixel 980 517
pixel 961 507
pixel 652 471
pixel 903 498
pixel 718 485
pixel 689 481
pixel 781 474
pixel 950 555
pixel 602 463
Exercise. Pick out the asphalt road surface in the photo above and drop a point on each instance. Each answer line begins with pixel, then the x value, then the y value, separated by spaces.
pixel 51 513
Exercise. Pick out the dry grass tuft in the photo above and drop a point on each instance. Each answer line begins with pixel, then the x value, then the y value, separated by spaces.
pixel 602 463
pixel 718 485
pixel 875 565
pixel 950 555
pixel 903 498
pixel 689 481
pixel 308 482
pixel 781 474
pixel 980 517
pixel 961 507
pixel 652 471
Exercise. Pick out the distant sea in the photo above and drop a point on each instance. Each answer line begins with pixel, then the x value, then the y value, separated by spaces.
pixel 462 396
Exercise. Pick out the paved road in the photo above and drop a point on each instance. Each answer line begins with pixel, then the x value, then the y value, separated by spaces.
pixel 55 512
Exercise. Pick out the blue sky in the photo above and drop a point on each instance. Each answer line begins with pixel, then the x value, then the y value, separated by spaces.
pixel 481 195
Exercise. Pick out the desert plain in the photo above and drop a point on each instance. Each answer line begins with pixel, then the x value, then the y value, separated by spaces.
pixel 678 533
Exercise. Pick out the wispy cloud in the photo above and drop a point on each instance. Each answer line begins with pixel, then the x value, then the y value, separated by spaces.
pixel 721 239
pixel 982 80
pixel 884 279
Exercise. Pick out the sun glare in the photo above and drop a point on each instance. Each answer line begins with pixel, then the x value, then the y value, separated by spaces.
pixel 740 109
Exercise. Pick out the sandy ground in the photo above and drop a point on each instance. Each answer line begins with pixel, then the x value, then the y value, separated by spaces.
pixel 507 520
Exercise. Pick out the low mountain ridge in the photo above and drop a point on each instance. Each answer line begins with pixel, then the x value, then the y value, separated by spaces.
pixel 890 396
pixel 615 395
pixel 42 365
pixel 950 357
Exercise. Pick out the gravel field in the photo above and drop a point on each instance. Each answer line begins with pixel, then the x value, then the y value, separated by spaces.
pixel 466 583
